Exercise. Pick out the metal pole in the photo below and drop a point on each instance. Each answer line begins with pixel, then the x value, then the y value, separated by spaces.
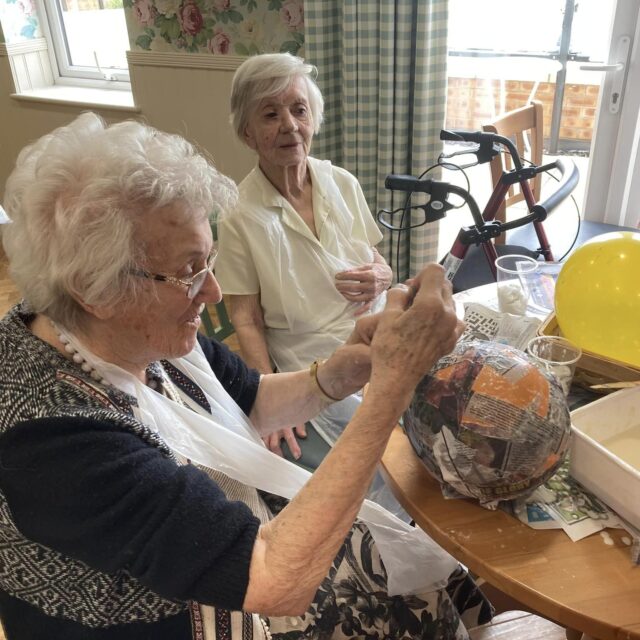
pixel 561 75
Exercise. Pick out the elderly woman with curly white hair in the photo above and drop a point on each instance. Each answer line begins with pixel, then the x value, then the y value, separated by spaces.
pixel 297 260
pixel 130 445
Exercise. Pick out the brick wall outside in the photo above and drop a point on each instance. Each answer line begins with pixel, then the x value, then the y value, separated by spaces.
pixel 469 104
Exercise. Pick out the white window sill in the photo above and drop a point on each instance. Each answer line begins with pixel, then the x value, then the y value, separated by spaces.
pixel 83 96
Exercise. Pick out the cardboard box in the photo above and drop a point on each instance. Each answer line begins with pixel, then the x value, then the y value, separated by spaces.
pixel 594 465
pixel 592 368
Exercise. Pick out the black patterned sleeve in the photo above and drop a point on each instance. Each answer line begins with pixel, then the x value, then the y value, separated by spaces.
pixel 97 493
pixel 240 382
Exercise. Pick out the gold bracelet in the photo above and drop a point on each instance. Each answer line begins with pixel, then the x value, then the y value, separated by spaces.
pixel 313 373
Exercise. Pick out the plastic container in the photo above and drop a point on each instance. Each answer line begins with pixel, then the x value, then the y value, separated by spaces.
pixel 596 427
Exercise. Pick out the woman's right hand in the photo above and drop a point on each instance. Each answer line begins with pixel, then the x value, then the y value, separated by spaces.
pixel 393 349
pixel 294 551
pixel 418 326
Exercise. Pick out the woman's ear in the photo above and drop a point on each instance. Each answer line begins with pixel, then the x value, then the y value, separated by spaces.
pixel 249 139
pixel 101 312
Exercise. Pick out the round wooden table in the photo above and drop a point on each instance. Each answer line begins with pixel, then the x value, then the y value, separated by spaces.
pixel 590 585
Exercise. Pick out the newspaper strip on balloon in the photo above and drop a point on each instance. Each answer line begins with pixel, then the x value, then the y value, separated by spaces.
pixel 561 502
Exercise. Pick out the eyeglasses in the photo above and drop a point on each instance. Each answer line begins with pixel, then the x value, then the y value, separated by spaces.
pixel 194 283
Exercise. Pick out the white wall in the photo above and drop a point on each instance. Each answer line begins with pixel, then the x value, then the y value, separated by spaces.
pixel 193 102
pixel 190 100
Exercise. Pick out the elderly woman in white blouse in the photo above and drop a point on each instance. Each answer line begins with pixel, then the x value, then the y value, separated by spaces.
pixel 297 260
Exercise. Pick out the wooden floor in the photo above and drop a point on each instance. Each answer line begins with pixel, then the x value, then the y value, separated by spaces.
pixel 513 625
pixel 518 625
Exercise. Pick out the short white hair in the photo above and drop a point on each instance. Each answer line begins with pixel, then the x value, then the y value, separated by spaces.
pixel 74 200
pixel 265 76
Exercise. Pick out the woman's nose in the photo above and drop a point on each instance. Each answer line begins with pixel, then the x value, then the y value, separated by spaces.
pixel 289 123
pixel 211 291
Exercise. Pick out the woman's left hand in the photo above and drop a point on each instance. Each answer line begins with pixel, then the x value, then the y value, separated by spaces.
pixel 364 283
pixel 349 367
pixel 289 435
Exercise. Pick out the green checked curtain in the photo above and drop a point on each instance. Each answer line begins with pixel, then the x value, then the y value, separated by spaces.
pixel 382 71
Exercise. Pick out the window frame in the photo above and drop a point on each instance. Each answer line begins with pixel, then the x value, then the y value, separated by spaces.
pixel 65 73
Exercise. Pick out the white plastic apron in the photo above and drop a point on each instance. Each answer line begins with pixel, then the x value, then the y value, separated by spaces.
pixel 318 317
pixel 226 441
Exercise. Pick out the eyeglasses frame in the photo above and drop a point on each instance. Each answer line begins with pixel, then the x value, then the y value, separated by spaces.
pixel 187 282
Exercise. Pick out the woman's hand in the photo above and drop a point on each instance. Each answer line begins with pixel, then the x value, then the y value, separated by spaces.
pixel 399 345
pixel 272 441
pixel 392 350
pixel 364 283
pixel 349 367
pixel 418 326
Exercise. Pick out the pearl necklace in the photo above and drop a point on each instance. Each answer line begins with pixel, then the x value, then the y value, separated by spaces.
pixel 164 386
pixel 79 359
pixel 265 627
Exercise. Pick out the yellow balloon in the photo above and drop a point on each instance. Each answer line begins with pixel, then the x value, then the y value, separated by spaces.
pixel 597 296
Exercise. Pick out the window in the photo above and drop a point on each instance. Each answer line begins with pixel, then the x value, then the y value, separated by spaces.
pixel 89 39
pixel 513 26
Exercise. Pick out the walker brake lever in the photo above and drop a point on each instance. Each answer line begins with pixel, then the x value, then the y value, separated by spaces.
pixel 438 205
pixel 484 151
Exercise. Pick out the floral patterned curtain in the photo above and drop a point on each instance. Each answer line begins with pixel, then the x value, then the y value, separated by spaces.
pixel 382 71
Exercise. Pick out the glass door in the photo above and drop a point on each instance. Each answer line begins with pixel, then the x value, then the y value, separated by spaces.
pixel 613 184
pixel 505 53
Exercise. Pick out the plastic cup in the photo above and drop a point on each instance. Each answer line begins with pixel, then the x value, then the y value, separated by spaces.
pixel 513 276
pixel 557 356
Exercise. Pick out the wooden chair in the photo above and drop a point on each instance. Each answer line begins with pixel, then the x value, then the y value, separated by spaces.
pixel 223 328
pixel 525 127
pixel 220 330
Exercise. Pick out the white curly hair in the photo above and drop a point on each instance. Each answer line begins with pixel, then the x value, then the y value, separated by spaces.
pixel 74 199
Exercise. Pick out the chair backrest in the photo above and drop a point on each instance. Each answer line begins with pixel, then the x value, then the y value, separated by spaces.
pixel 222 328
pixel 525 127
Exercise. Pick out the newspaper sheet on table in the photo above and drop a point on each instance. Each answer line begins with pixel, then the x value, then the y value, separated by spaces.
pixel 487 324
pixel 562 503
